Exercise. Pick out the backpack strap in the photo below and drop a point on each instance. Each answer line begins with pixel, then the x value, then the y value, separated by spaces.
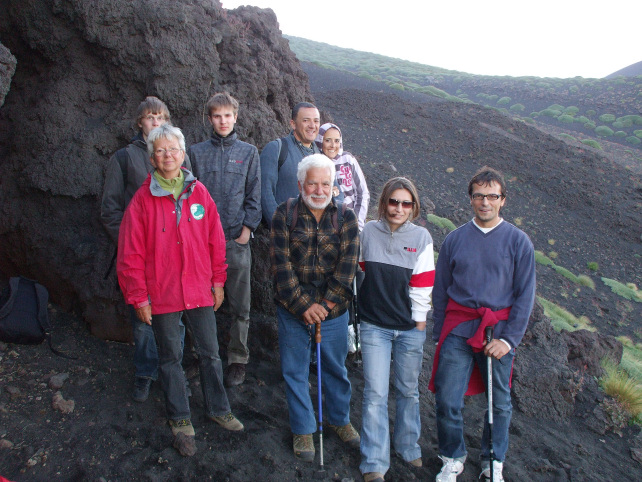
pixel 283 151
pixel 291 213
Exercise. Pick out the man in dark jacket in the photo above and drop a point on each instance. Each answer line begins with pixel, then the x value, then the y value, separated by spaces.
pixel 230 170
pixel 126 171
pixel 280 158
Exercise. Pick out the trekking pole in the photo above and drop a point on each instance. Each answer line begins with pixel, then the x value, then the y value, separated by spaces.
pixel 317 339
pixel 489 376
pixel 355 321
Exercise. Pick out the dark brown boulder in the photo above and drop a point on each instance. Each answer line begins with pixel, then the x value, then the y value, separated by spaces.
pixel 543 384
pixel 82 70
pixel 587 349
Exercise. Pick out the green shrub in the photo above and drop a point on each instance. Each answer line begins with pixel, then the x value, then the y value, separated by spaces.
pixel 571 110
pixel 633 140
pixel 528 120
pixel 564 135
pixel 618 125
pixel 517 107
pixel 607 118
pixel 542 259
pixel 443 223
pixel 592 265
pixel 590 126
pixel 638 133
pixel 493 97
pixel 618 384
pixel 590 112
pixel 561 108
pixel 592 143
pixel 573 89
pixel 534 115
pixel 582 119
pixel 603 131
pixel 397 86
pixel 629 120
pixel 623 290
pixel 503 101
pixel 562 319
pixel 620 134
pixel 631 357
pixel 585 280
pixel 550 112
pixel 565 118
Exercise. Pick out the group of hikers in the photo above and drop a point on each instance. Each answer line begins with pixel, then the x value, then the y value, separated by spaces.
pixel 182 220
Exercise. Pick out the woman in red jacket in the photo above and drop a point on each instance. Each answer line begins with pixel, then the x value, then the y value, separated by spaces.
pixel 171 262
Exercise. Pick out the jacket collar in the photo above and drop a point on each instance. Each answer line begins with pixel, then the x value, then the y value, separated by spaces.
pixel 223 141
pixel 157 191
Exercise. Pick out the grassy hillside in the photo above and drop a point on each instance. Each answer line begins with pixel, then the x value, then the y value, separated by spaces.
pixel 603 114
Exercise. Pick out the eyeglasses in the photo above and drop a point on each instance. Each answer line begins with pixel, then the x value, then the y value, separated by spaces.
pixel 491 197
pixel 152 117
pixel 396 202
pixel 172 151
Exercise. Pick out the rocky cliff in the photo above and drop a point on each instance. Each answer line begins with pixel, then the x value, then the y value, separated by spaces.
pixel 82 69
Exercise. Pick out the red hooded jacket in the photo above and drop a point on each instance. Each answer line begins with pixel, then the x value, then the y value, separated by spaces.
pixel 171 253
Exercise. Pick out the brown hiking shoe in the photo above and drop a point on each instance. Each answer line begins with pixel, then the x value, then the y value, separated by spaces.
pixel 227 421
pixel 348 435
pixel 234 374
pixel 183 426
pixel 185 444
pixel 373 477
pixel 303 446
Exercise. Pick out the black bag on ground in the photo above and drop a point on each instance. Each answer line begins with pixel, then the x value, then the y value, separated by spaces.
pixel 24 317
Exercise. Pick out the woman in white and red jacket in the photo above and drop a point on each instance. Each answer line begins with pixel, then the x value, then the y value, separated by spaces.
pixel 171 261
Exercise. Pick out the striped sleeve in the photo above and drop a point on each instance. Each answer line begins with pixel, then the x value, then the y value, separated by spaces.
pixel 421 283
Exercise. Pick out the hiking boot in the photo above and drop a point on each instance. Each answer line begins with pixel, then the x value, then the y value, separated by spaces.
pixel 498 467
pixel 141 389
pixel 450 470
pixel 183 426
pixel 185 444
pixel 416 463
pixel 373 477
pixel 234 374
pixel 227 421
pixel 303 446
pixel 348 435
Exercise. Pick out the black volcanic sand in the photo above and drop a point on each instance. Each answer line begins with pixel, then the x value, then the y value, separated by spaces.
pixel 110 437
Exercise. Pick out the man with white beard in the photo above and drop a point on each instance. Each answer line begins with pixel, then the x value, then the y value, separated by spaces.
pixel 314 252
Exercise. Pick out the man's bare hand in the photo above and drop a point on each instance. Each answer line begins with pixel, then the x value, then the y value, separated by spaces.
pixel 218 295
pixel 144 314
pixel 315 314
pixel 244 238
pixel 496 349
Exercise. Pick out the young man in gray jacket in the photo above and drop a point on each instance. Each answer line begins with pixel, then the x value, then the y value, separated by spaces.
pixel 230 170
pixel 126 171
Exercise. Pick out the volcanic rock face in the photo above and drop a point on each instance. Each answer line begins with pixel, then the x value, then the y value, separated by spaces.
pixel 83 67
pixel 7 69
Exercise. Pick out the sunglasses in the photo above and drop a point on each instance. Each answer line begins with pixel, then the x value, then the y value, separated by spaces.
pixel 396 202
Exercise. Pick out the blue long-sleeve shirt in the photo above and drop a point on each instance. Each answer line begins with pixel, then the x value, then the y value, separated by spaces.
pixel 494 269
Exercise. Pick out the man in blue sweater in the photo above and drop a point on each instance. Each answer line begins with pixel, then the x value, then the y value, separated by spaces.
pixel 485 276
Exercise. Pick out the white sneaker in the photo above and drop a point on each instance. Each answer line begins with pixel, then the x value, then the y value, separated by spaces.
pixel 451 469
pixel 497 471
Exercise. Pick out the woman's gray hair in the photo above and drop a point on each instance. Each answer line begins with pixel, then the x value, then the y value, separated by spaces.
pixel 315 160
pixel 166 131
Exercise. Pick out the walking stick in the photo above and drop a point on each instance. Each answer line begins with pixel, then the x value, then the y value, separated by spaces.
pixel 489 376
pixel 317 339
pixel 355 320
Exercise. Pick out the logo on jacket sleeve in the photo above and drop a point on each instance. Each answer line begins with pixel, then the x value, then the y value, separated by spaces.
pixel 198 211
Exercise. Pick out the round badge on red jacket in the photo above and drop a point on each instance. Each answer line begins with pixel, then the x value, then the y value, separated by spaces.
pixel 198 211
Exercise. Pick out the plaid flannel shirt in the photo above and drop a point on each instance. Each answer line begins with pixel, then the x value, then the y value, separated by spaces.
pixel 312 262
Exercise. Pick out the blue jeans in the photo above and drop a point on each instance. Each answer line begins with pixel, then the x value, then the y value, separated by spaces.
pixel 456 363
pixel 202 323
pixel 295 341
pixel 407 348
pixel 145 352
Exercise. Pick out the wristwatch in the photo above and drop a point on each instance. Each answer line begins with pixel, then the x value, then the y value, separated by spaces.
pixel 325 306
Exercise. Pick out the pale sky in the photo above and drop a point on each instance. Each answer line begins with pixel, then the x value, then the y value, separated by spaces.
pixel 547 38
